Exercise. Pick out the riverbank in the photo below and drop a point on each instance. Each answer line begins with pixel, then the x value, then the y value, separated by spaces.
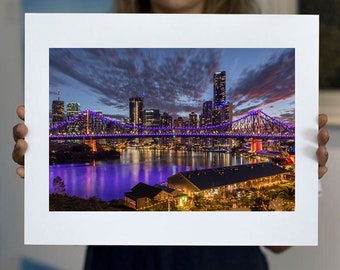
pixel 59 202
pixel 67 153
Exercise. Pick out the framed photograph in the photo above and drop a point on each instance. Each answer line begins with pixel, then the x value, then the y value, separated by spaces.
pixel 171 129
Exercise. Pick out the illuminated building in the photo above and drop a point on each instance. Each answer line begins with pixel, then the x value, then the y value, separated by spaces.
pixel 223 113
pixel 219 88
pixel 219 181
pixel 206 116
pixel 179 122
pixel 143 196
pixel 136 111
pixel 151 118
pixel 72 109
pixel 58 110
pixel 166 120
pixel 193 120
pixel 226 112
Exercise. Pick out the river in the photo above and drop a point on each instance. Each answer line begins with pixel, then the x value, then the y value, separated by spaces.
pixel 109 180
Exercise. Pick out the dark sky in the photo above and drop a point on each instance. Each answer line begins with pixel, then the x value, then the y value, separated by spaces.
pixel 176 81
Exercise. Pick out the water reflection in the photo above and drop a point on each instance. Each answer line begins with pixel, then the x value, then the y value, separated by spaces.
pixel 109 180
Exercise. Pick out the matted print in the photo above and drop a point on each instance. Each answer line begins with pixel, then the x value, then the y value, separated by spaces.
pixel 186 124
pixel 172 129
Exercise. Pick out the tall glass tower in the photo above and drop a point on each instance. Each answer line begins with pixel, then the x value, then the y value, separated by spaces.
pixel 136 111
pixel 206 117
pixel 151 118
pixel 72 109
pixel 219 88
pixel 58 110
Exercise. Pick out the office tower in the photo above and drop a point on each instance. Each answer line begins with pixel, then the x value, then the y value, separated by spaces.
pixel 216 116
pixel 151 118
pixel 206 116
pixel 58 110
pixel 226 112
pixel 223 113
pixel 179 122
pixel 166 120
pixel 136 111
pixel 219 88
pixel 193 120
pixel 72 109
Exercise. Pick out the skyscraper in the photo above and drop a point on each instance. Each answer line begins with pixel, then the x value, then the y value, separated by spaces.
pixel 151 118
pixel 206 116
pixel 136 111
pixel 72 109
pixel 226 112
pixel 166 120
pixel 219 88
pixel 179 122
pixel 193 120
pixel 58 110
pixel 222 113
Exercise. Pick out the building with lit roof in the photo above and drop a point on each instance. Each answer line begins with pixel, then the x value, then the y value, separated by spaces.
pixel 219 181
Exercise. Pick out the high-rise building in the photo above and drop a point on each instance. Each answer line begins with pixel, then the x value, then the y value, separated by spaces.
pixel 58 110
pixel 216 116
pixel 151 118
pixel 179 122
pixel 226 112
pixel 136 111
pixel 72 109
pixel 223 113
pixel 193 121
pixel 206 116
pixel 219 88
pixel 166 120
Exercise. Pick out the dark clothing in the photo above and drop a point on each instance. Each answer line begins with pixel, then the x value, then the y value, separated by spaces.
pixel 174 258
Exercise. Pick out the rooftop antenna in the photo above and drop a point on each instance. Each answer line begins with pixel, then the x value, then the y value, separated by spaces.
pixel 58 94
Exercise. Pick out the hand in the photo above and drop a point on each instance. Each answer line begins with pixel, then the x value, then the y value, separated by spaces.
pixel 323 137
pixel 19 133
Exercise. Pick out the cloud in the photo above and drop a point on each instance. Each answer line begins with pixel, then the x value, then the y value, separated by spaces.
pixel 268 83
pixel 176 81
pixel 163 76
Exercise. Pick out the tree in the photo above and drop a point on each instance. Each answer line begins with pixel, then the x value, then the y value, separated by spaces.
pixel 59 186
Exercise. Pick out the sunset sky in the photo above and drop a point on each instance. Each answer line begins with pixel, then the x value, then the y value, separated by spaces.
pixel 176 81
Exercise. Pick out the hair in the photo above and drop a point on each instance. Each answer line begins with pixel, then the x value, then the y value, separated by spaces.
pixel 211 6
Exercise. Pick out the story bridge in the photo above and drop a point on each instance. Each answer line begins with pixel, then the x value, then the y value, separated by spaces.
pixel 89 125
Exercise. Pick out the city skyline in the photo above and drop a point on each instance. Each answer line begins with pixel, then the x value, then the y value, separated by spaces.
pixel 176 81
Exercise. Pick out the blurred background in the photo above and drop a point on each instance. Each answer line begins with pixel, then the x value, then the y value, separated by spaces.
pixel 15 255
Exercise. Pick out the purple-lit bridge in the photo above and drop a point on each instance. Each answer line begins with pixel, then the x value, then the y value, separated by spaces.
pixel 91 125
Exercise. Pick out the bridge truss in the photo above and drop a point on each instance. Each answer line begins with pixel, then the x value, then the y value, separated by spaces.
pixel 91 125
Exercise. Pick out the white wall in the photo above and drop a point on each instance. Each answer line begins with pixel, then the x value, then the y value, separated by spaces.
pixel 11 187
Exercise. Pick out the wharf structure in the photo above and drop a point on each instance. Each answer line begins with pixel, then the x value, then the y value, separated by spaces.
pixel 219 181
pixel 208 183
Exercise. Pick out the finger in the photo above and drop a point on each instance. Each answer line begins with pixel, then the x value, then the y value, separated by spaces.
pixel 19 131
pixel 322 120
pixel 19 151
pixel 322 171
pixel 21 172
pixel 323 136
pixel 322 155
pixel 21 112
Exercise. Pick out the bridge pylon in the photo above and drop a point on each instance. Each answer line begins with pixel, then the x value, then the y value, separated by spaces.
pixel 92 143
pixel 255 145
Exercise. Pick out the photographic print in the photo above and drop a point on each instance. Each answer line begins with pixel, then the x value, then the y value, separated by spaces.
pixel 154 129
pixel 172 129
